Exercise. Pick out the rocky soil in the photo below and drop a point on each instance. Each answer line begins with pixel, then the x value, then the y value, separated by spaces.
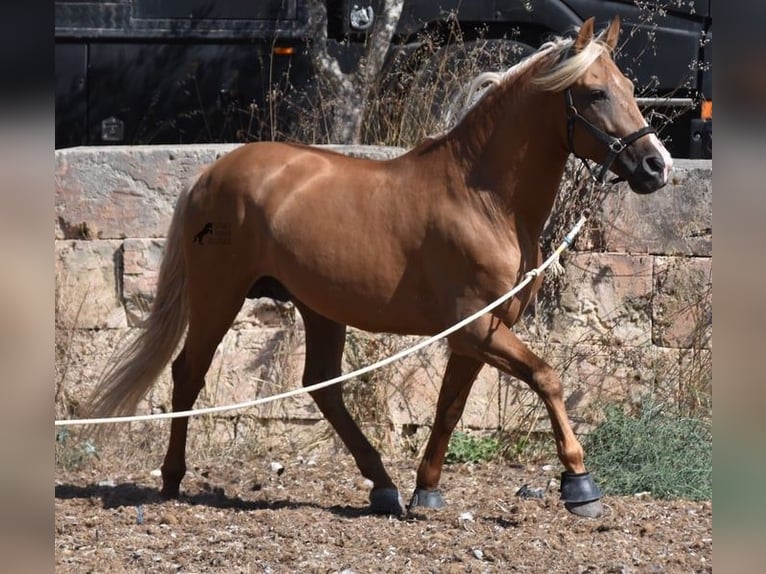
pixel 287 514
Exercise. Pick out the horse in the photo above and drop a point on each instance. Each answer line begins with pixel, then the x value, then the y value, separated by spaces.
pixel 409 245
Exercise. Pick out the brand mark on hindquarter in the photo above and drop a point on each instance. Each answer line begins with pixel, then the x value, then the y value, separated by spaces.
pixel 213 233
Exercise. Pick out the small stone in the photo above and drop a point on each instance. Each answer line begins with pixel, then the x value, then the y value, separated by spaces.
pixel 168 519
pixel 645 495
pixel 277 467
pixel 547 467
pixel 478 554
pixel 526 492
pixel 156 473
pixel 364 484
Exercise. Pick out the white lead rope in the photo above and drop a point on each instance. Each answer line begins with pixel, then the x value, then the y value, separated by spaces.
pixel 334 381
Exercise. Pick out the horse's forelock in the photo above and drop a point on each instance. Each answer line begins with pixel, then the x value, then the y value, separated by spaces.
pixel 564 72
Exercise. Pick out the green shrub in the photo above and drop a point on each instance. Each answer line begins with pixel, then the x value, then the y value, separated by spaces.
pixel 72 453
pixel 655 450
pixel 466 448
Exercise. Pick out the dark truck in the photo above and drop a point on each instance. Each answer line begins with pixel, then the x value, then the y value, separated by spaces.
pixel 191 71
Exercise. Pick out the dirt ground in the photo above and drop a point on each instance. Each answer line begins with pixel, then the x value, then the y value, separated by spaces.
pixel 274 515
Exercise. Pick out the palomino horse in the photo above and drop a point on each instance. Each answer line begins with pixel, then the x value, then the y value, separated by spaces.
pixel 410 245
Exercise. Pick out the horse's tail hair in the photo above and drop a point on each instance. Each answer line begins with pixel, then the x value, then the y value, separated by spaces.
pixel 135 367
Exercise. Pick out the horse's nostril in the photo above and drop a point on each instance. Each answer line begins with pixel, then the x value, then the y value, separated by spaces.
pixel 654 165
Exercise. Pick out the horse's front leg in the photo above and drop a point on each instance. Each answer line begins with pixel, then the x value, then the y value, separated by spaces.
pixel 459 376
pixel 325 340
pixel 491 341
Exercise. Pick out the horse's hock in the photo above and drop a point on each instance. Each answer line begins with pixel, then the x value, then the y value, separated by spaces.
pixel 633 316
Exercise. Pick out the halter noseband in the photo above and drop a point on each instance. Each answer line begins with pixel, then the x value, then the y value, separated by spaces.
pixel 616 145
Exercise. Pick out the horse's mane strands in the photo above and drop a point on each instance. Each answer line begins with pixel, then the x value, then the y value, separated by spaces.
pixel 554 79
pixel 485 82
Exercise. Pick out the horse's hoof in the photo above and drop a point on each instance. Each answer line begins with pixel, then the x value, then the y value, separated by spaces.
pixel 592 509
pixel 386 501
pixel 170 493
pixel 427 498
pixel 581 494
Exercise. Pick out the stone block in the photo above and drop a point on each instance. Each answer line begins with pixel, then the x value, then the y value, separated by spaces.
pixel 141 265
pixel 405 393
pixel 110 193
pixel 88 285
pixel 378 152
pixel 411 385
pixel 257 313
pixel 676 220
pixel 594 375
pixel 682 307
pixel 485 407
pixel 257 363
pixel 81 356
pixel 247 365
pixel 606 299
pixel 116 192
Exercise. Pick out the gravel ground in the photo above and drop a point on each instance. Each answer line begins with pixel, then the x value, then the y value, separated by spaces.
pixel 310 516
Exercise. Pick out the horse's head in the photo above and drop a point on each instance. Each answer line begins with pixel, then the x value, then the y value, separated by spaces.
pixel 604 123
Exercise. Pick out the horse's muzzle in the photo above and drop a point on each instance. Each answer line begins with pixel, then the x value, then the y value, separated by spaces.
pixel 650 174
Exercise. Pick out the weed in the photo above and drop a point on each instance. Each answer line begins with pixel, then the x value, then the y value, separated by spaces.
pixel 367 397
pixel 654 449
pixel 527 446
pixel 467 448
pixel 72 453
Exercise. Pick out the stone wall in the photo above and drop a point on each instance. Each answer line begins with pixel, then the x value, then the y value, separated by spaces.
pixel 633 312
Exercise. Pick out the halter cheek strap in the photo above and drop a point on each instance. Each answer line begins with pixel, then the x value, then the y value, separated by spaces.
pixel 615 145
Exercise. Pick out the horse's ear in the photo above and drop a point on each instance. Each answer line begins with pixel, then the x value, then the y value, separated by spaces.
pixel 612 33
pixel 586 34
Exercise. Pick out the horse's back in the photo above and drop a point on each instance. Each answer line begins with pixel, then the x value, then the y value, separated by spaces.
pixel 266 174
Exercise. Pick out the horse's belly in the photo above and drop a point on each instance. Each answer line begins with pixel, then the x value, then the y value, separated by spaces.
pixel 384 309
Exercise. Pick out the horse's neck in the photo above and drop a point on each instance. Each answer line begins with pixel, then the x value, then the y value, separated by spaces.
pixel 510 146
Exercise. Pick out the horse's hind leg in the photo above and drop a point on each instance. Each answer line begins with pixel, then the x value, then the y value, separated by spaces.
pixel 213 307
pixel 325 340
pixel 459 377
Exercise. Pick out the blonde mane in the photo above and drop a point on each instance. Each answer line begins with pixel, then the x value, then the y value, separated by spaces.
pixel 557 77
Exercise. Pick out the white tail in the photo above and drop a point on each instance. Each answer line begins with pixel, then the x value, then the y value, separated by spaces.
pixel 135 367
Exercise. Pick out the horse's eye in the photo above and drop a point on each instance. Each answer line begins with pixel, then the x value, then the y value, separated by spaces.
pixel 598 95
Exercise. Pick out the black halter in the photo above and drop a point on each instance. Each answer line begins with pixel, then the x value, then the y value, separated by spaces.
pixel 616 145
